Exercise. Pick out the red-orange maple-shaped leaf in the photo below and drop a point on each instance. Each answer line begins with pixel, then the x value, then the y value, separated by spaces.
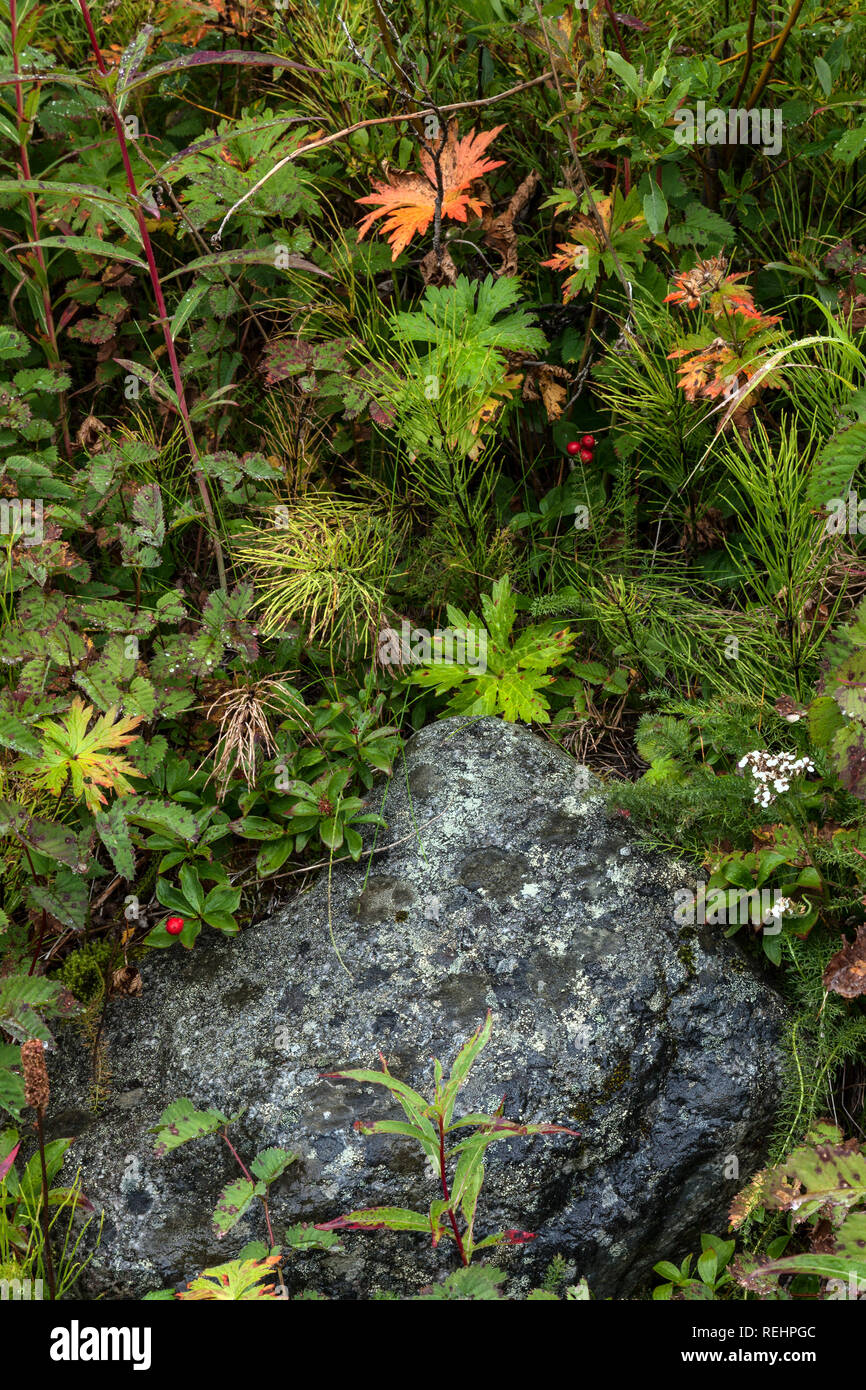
pixel 706 373
pixel 693 378
pixel 564 261
pixel 408 201
pixel 574 258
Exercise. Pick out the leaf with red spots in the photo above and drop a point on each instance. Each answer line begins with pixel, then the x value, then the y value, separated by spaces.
pixel 233 1202
pixel 180 1122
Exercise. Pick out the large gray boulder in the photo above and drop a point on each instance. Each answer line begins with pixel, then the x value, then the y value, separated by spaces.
pixel 508 887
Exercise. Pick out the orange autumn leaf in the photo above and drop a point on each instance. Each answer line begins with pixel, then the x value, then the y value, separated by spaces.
pixel 571 257
pixel 709 285
pixel 408 201
pixel 706 373
pixel 693 378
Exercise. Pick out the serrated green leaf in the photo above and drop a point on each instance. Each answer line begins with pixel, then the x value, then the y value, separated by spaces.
pixel 167 817
pixel 14 734
pixel 180 1122
pixel 11 1092
pixel 271 1163
pixel 825 720
pixel 113 831
pixel 233 1202
pixel 851 145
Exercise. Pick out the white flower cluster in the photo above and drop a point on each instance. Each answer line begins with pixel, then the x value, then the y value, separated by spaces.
pixel 781 906
pixel 773 773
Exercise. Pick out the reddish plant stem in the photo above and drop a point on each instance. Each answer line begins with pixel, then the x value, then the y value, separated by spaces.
pixel 158 295
pixel 44 1216
pixel 446 1194
pixel 612 17
pixel 249 1177
pixel 24 163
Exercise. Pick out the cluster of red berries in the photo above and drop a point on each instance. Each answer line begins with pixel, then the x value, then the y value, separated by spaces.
pixel 583 446
pixel 174 926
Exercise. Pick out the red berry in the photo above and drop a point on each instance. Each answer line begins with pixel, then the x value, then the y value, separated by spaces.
pixel 174 926
pixel 572 447
pixel 586 456
pixel 588 441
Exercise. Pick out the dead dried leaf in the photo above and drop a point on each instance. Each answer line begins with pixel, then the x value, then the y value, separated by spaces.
pixel 90 434
pixel 845 973
pixel 500 233
pixel 126 980
pixel 553 394
pixel 438 270
pixel 542 382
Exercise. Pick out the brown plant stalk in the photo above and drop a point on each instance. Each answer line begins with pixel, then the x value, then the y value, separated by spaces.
pixel 776 53
pixel 37 1094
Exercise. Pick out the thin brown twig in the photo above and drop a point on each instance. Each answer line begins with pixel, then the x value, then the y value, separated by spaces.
pixel 767 70
pixel 750 52
pixel 742 53
pixel 365 125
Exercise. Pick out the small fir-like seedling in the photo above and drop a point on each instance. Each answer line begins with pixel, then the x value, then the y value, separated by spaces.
pixel 429 1122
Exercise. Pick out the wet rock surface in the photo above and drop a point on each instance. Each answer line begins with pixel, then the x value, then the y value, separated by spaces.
pixel 510 889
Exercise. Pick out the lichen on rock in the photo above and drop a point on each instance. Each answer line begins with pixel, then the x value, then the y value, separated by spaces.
pixel 508 888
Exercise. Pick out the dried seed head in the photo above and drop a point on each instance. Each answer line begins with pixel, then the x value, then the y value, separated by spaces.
pixel 37 1091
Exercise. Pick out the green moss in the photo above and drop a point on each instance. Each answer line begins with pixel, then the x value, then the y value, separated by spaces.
pixel 686 951
pixel 613 1082
pixel 83 971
